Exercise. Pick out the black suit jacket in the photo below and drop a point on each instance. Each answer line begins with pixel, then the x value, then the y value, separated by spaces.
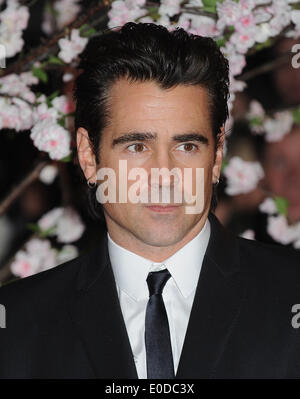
pixel 67 322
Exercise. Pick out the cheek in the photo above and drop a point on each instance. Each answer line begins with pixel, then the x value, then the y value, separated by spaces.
pixel 275 180
pixel 202 159
pixel 122 213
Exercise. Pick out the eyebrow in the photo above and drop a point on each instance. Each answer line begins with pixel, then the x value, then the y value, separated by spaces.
pixel 191 137
pixel 146 136
pixel 134 136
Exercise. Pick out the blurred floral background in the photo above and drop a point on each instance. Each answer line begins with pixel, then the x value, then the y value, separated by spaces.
pixel 44 219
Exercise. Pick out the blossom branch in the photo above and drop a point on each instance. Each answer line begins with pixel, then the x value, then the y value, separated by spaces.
pixel 42 51
pixel 267 67
pixel 20 98
pixel 20 188
pixel 198 11
pixel 5 271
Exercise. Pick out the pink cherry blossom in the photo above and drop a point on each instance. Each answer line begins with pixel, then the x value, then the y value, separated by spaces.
pixel 36 257
pixel 65 223
pixel 262 33
pixel 244 22
pixel 17 85
pixel 248 234
pixel 50 219
pixel 296 231
pixel 15 114
pixel 67 77
pixel 228 13
pixel 247 5
pixel 146 19
pixel 50 137
pixel 194 3
pixel 24 264
pixel 242 176
pixel 243 40
pixel 268 206
pixel 184 21
pixel 48 174
pixel 13 20
pixel 135 3
pixel 237 61
pixel 203 26
pixel 281 16
pixel 125 11
pixel 28 79
pixel 296 244
pixel 278 126
pixel 66 11
pixel 256 113
pixel 25 114
pixel 235 86
pixel 119 14
pixel 279 230
pixel 63 104
pixel 169 7
pixel 8 114
pixel 70 48
pixel 67 252
pixel 255 110
pixel 261 15
pixel 42 112
pixel 164 20
pixel 295 17
pixel 70 226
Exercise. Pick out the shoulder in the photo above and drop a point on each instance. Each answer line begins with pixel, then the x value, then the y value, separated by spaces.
pixel 270 265
pixel 270 255
pixel 48 285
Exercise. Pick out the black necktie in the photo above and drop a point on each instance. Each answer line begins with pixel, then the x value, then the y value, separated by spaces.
pixel 157 334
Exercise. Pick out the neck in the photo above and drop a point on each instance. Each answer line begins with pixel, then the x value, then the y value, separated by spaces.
pixel 129 241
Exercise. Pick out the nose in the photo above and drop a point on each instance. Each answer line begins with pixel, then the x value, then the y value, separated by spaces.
pixel 161 165
pixel 164 178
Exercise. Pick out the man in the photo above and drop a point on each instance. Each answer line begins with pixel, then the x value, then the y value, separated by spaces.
pixel 281 161
pixel 167 293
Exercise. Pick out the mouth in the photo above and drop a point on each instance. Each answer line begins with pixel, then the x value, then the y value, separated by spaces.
pixel 163 208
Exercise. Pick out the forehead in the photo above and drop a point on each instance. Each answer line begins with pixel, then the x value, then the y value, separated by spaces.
pixel 144 103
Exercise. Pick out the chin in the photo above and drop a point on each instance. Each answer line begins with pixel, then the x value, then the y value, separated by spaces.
pixel 158 237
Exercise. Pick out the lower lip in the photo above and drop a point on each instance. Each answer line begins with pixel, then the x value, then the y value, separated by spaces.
pixel 162 209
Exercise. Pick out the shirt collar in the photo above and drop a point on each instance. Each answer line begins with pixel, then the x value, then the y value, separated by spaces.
pixel 131 270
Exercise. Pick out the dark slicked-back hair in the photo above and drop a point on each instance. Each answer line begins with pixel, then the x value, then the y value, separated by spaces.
pixel 146 52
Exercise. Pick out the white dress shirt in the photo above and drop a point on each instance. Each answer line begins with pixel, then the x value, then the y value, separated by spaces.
pixel 131 270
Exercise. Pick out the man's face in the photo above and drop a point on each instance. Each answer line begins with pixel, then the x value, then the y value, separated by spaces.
pixel 282 170
pixel 168 117
pixel 287 78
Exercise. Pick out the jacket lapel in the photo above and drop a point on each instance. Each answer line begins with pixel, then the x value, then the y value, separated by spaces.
pixel 97 316
pixel 96 313
pixel 216 306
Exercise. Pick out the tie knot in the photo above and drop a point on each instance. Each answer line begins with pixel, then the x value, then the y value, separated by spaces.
pixel 157 280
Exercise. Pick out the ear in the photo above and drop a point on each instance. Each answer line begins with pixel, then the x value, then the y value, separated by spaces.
pixel 219 156
pixel 86 156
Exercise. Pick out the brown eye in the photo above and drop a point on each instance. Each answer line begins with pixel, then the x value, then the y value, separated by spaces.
pixel 187 147
pixel 137 147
